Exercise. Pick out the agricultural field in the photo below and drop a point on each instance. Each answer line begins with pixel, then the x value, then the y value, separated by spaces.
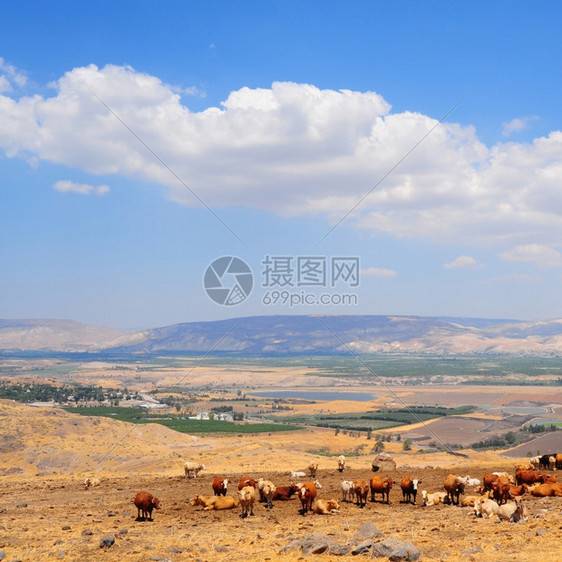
pixel 178 422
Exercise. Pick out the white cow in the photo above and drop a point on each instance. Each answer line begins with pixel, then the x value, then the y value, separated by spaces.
pixel 193 468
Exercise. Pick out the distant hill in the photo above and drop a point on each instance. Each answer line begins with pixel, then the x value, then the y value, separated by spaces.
pixel 55 335
pixel 549 443
pixel 286 335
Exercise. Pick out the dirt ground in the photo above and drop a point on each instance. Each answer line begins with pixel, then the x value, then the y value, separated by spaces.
pixel 54 517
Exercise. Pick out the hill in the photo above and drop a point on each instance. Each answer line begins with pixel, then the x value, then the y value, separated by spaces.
pixel 46 454
pixel 55 335
pixel 293 335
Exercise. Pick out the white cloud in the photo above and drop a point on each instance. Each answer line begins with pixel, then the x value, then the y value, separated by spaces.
pixel 376 272
pixel 67 186
pixel 5 85
pixel 295 149
pixel 517 125
pixel 189 91
pixel 543 256
pixel 8 74
pixel 463 262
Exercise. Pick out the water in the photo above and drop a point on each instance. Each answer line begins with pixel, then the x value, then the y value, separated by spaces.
pixel 322 396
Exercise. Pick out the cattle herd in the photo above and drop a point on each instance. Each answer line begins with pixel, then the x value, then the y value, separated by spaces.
pixel 495 494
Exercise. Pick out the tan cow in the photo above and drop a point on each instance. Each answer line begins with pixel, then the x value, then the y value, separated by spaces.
pixel 247 497
pixel 326 507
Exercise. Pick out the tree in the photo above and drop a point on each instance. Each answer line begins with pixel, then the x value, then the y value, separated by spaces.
pixel 407 445
pixel 337 431
pixel 510 437
pixel 379 446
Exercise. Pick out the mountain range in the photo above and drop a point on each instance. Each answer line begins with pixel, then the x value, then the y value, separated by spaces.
pixel 286 335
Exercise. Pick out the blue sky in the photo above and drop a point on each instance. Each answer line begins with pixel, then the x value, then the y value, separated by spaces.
pixel 280 117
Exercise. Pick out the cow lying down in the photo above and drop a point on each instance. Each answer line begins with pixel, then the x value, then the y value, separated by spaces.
pixel 326 507
pixel 215 502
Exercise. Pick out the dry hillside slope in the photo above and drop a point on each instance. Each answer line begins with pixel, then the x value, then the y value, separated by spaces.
pixel 46 513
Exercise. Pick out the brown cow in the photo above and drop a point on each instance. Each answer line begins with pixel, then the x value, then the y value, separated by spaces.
pixel 307 493
pixel 454 487
pixel 559 461
pixel 380 485
pixel 284 493
pixel 145 503
pixel 220 485
pixel 500 490
pixel 530 477
pixel 488 481
pixel 245 481
pixel 409 489
pixel 518 490
pixel 361 489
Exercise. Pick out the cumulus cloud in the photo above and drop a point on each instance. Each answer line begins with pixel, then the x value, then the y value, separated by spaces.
pixel 377 272
pixel 67 186
pixel 297 149
pixel 517 125
pixel 543 256
pixel 462 262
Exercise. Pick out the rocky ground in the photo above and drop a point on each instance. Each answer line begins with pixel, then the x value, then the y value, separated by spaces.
pixel 54 517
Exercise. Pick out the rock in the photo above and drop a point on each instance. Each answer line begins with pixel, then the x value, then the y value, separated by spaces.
pixel 2 555
pixel 87 532
pixel 368 531
pixel 474 550
pixel 295 544
pixel 541 532
pixel 122 532
pixel 111 513
pixel 317 543
pixel 23 504
pixel 66 528
pixel 220 548
pixel 107 542
pixel 383 462
pixel 362 547
pixel 394 549
pixel 340 549
pixel 61 554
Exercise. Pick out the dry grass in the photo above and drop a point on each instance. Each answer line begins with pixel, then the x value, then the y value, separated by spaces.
pixel 45 455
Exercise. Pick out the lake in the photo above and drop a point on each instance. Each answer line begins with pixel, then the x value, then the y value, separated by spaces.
pixel 319 395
